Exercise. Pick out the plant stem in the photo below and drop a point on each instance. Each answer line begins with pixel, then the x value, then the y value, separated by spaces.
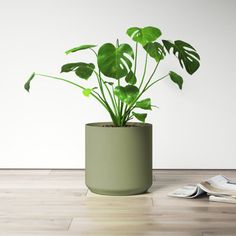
pixel 119 103
pixel 154 71
pixel 97 96
pixel 102 82
pixel 57 78
pixel 136 57
pixel 156 82
pixel 123 115
pixel 132 105
pixel 93 51
pixel 144 72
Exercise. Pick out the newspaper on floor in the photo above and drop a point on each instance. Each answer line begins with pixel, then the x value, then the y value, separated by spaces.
pixel 220 189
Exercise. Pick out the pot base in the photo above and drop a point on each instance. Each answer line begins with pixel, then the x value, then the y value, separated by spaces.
pixel 119 193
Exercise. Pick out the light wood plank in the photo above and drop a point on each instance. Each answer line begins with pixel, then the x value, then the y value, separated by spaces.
pixel 30 224
pixel 57 202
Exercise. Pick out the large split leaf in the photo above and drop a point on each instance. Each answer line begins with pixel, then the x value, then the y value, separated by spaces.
pixel 114 61
pixel 187 55
pixel 140 116
pixel 155 50
pixel 126 94
pixel 144 104
pixel 176 79
pixel 82 47
pixel 144 35
pixel 81 69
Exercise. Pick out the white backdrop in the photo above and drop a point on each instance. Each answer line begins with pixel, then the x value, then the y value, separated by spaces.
pixel 194 128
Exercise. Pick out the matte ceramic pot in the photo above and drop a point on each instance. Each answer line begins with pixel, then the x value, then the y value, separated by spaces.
pixel 118 159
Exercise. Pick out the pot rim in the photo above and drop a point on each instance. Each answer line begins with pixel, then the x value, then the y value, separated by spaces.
pixel 135 125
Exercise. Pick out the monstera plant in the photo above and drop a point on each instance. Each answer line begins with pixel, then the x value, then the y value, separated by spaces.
pixel 119 90
pixel 118 154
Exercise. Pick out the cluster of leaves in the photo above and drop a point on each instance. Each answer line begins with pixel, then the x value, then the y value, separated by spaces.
pixel 120 95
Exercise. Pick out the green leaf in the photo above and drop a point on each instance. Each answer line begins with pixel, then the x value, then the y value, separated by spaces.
pixel 176 79
pixel 126 94
pixel 155 50
pixel 87 92
pixel 83 47
pixel 187 55
pixel 83 70
pixel 69 67
pixel 113 61
pixel 144 35
pixel 27 84
pixel 140 116
pixel 144 104
pixel 131 78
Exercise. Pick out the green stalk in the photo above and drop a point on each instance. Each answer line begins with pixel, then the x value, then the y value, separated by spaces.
pixel 123 115
pixel 154 71
pixel 155 82
pixel 94 51
pixel 136 57
pixel 119 103
pixel 77 85
pixel 114 98
pixel 114 119
pixel 144 90
pixel 109 92
pixel 132 105
pixel 144 72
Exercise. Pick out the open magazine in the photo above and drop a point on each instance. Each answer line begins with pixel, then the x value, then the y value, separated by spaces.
pixel 220 189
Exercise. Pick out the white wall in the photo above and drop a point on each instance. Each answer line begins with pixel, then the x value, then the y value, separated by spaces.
pixel 194 128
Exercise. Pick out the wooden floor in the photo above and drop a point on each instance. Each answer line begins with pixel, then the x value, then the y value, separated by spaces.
pixel 57 203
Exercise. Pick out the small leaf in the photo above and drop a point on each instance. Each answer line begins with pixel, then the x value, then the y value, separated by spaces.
pixel 84 71
pixel 155 50
pixel 27 84
pixel 83 47
pixel 187 55
pixel 126 94
pixel 113 61
pixel 144 35
pixel 131 78
pixel 69 67
pixel 144 104
pixel 87 92
pixel 140 116
pixel 176 79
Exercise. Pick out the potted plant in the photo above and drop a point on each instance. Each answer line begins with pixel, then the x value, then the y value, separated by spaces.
pixel 119 153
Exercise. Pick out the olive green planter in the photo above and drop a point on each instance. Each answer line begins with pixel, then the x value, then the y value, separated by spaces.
pixel 118 159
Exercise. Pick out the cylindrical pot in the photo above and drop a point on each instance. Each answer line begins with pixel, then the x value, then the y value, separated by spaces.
pixel 118 160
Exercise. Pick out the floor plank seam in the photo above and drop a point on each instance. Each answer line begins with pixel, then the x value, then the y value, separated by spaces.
pixel 86 194
pixel 68 229
pixel 152 200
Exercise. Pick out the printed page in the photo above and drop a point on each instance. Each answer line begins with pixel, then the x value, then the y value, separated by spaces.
pixel 189 191
pixel 225 199
pixel 219 185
